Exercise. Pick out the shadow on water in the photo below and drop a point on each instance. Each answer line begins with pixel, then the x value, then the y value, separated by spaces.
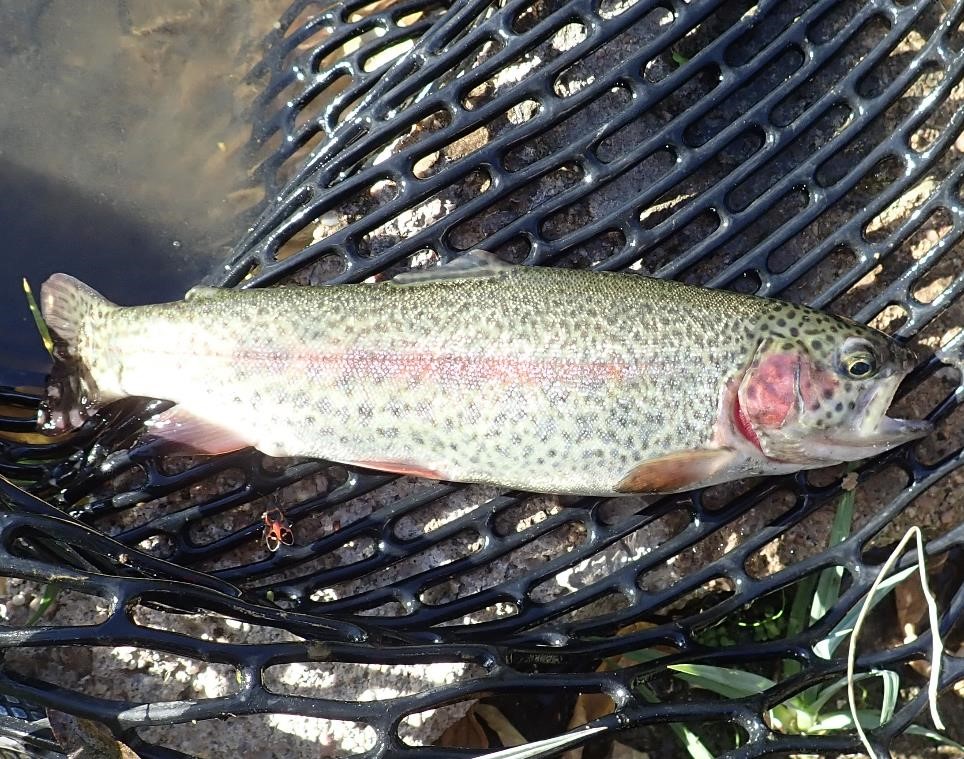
pixel 122 149
pixel 48 226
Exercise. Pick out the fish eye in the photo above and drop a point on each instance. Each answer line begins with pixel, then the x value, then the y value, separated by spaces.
pixel 860 365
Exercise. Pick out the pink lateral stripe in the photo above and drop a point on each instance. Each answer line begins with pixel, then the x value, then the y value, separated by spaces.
pixel 441 367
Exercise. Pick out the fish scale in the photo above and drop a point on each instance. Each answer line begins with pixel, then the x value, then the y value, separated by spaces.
pixel 541 379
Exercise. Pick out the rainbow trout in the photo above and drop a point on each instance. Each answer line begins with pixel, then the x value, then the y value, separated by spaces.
pixel 542 379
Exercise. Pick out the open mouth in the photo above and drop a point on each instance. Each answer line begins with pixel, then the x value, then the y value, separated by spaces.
pixel 874 428
pixel 890 432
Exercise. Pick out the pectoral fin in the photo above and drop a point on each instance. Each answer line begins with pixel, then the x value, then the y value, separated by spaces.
pixel 676 472
pixel 199 435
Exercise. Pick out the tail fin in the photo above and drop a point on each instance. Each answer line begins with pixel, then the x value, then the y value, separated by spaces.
pixel 72 395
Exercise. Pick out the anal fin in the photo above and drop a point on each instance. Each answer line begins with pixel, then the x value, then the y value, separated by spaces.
pixel 396 466
pixel 675 472
pixel 201 436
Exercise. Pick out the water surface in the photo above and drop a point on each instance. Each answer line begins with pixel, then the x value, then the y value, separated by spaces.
pixel 121 149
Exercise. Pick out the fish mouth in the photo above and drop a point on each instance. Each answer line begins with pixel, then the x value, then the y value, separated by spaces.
pixel 874 431
pixel 905 429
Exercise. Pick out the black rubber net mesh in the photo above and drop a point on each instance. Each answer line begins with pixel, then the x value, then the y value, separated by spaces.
pixel 805 150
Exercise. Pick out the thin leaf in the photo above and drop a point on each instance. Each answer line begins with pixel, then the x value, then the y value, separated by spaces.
pixel 38 318
pixel 543 747
pixel 891 691
pixel 825 694
pixel 832 722
pixel 937 646
pixel 690 741
pixel 643 655
pixel 51 591
pixel 731 683
pixel 926 732
pixel 837 721
pixel 825 648
pixel 828 587
pixel 799 618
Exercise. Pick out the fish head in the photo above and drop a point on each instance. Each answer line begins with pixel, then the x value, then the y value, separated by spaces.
pixel 817 392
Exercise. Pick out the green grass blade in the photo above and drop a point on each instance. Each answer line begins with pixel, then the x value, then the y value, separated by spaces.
pixel 926 732
pixel 825 648
pixel 799 618
pixel 38 318
pixel 937 645
pixel 730 683
pixel 828 587
pixel 891 692
pixel 51 591
pixel 825 694
pixel 837 721
pixel 644 655
pixel 689 740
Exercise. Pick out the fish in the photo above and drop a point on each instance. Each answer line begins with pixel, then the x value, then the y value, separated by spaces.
pixel 538 379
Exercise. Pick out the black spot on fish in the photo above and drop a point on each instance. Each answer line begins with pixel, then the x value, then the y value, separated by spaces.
pixel 817 345
pixel 794 332
pixel 838 408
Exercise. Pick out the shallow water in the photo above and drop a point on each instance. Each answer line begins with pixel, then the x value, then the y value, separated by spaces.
pixel 121 149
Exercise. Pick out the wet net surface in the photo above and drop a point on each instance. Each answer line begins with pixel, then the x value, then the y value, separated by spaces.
pixel 808 150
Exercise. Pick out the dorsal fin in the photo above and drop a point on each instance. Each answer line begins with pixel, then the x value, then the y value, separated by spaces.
pixel 200 291
pixel 476 264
